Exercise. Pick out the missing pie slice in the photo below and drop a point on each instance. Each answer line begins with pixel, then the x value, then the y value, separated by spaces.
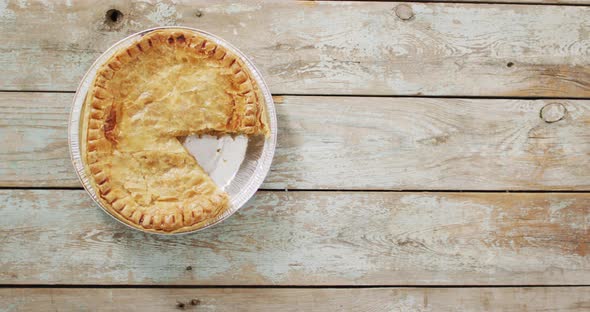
pixel 171 83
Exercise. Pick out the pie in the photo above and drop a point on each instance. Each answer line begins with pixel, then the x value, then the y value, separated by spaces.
pixel 169 84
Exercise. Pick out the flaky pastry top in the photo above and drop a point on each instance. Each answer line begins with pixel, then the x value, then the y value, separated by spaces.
pixel 169 84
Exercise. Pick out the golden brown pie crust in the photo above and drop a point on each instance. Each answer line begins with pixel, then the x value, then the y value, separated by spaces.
pixel 170 83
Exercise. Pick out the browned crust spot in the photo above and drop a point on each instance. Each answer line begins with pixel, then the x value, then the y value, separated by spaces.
pixel 110 124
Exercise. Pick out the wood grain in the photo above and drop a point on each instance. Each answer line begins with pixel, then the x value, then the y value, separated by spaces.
pixel 239 299
pixel 307 238
pixel 357 143
pixel 324 48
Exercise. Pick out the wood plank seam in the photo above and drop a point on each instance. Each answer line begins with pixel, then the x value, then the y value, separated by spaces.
pixel 360 96
pixel 238 286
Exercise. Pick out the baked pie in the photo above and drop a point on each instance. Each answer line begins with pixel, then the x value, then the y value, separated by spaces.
pixel 169 84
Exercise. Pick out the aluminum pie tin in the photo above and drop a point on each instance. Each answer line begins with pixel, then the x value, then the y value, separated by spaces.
pixel 238 165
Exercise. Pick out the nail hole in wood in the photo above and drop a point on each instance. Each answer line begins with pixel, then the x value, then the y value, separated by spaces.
pixel 189 268
pixel 510 64
pixel 180 305
pixel 113 17
pixel 195 302
pixel 198 13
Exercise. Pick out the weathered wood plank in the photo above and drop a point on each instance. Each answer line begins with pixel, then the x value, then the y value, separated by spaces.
pixel 307 238
pixel 548 299
pixel 324 48
pixel 357 143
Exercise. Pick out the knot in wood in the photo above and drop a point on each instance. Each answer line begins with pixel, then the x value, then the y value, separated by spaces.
pixel 553 112
pixel 404 12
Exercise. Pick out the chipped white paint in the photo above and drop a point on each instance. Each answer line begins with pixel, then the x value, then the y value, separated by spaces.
pixel 305 238
pixel 22 4
pixel 164 14
pixel 410 303
pixel 6 14
pixel 233 8
pixel 48 4
pixel 557 205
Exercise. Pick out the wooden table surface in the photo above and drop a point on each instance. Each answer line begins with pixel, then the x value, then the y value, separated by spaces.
pixel 431 157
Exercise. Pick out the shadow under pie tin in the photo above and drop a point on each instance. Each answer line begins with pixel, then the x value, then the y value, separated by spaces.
pixel 238 165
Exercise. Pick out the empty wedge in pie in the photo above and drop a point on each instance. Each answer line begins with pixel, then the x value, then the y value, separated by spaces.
pixel 169 84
